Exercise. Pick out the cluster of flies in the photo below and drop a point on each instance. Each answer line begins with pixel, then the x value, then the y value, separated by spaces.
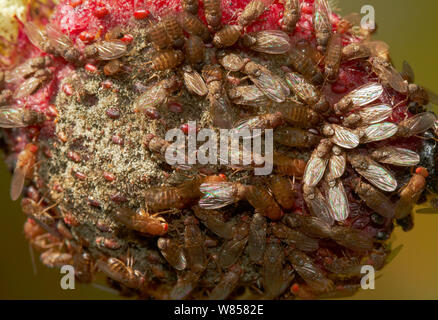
pixel 299 122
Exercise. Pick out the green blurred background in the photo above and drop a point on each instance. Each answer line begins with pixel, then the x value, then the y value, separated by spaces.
pixel 408 26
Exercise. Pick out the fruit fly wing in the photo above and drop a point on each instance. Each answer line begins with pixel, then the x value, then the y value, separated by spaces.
pixel 366 94
pixel 375 114
pixel 419 123
pixel 34 34
pixel 407 72
pixel 314 171
pixel 304 89
pixel 396 156
pixel 378 176
pixel 272 42
pixel 173 253
pixel 153 97
pixel 322 17
pixel 271 85
pixel 338 201
pixel 248 96
pixel 433 97
pixel 232 62
pixel 59 40
pixel 12 118
pixel 345 138
pixel 319 207
pixel 27 87
pixel 195 83
pixel 337 165
pixel 221 111
pixel 109 50
pixel 17 182
pixel 378 132
pixel 378 49
pixel 251 123
pixel 217 195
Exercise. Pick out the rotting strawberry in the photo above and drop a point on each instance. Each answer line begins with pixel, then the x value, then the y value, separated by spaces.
pixel 91 145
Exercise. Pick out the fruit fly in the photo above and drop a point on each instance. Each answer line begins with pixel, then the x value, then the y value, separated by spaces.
pixel 213 13
pixel 337 163
pixel 377 132
pixel 173 29
pixel 157 94
pixel 336 198
pixel 288 166
pixel 341 136
pixel 333 57
pixel 24 167
pixel 253 10
pixel 262 122
pixel 410 193
pixel 233 248
pixel 283 190
pixel 220 194
pixel 214 221
pixel 305 65
pixel 312 226
pixel 185 284
pixel 194 245
pixel 227 36
pixel 295 137
pixel 309 271
pixel 37 211
pixel 220 106
pixel 27 69
pixel 248 95
pixel 194 50
pixel 366 49
pixel 84 267
pixel 62 44
pixel 194 82
pixel 299 115
pixel 416 125
pixel 291 15
pixel 159 37
pixel 374 199
pixel 376 174
pixel 231 61
pixel 317 204
pixel 388 75
pixel 30 85
pixel 194 26
pixel 267 41
pixel 54 258
pixel 359 97
pixel 367 116
pixel 273 271
pixel 167 59
pixel 159 146
pixel 226 284
pixel 351 238
pixel 257 237
pixel 142 221
pixel 294 237
pixel 322 23
pixel 190 6
pixel 395 156
pixel 112 67
pixel 121 272
pixel 305 90
pixel 317 164
pixel 17 118
pixel 106 50
pixel 173 252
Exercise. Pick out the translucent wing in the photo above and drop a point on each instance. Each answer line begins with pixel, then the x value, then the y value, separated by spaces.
pixel 59 40
pixel 337 200
pixel 34 34
pixel 378 132
pixel 318 206
pixel 366 94
pixel 322 16
pixel 375 114
pixel 302 88
pixel 419 123
pixel 379 49
pixel 272 85
pixel 195 83
pixel 378 176
pixel 337 165
pixel 17 182
pixel 109 50
pixel 232 62
pixel 217 195
pixel 27 87
pixel 248 96
pixel 153 97
pixel 221 111
pixel 12 118
pixel 433 97
pixel 344 137
pixel 407 72
pixel 314 171
pixel 19 72
pixel 396 156
pixel 271 42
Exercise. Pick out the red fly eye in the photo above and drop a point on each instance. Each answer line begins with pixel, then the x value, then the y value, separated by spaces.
pixel 422 171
